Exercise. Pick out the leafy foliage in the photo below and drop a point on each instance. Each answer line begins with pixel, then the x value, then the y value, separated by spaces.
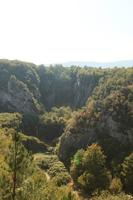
pixel 115 186
pixel 52 123
pixel 93 173
pixel 108 196
pixel 127 173
pixel 47 98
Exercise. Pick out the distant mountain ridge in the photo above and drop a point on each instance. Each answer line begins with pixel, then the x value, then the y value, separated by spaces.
pixel 123 63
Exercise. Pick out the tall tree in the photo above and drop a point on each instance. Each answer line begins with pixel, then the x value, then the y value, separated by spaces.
pixel 92 173
pixel 127 173
pixel 19 161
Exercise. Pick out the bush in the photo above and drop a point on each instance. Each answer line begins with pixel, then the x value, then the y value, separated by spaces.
pixel 52 192
pixel 76 168
pixel 108 196
pixel 62 178
pixel 87 181
pixel 115 186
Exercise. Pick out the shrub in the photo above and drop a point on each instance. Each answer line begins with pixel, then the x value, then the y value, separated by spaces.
pixel 115 186
pixel 108 196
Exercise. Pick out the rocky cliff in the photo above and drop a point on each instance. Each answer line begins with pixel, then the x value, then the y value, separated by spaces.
pixel 18 98
pixel 27 88
pixel 108 122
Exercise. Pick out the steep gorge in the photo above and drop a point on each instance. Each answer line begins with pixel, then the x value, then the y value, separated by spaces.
pixel 27 88
pixel 103 99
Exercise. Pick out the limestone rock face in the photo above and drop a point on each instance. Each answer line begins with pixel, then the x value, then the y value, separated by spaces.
pixel 89 127
pixel 70 143
pixel 65 87
pixel 83 88
pixel 47 86
pixel 18 98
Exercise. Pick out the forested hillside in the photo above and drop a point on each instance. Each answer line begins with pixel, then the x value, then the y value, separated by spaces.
pixel 66 133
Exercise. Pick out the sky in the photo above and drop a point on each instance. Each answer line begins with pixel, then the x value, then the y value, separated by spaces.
pixel 58 31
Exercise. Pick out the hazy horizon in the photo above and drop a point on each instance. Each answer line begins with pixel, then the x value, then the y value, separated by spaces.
pixel 59 31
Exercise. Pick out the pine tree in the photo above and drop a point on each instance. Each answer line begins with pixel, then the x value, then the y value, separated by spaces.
pixel 19 161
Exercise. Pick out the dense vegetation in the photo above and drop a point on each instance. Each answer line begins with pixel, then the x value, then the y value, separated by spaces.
pixel 65 133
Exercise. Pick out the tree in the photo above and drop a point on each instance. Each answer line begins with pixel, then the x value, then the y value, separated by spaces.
pixel 93 173
pixel 127 173
pixel 76 168
pixel 19 163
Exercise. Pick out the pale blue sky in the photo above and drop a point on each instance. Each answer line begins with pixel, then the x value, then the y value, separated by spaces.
pixel 54 31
